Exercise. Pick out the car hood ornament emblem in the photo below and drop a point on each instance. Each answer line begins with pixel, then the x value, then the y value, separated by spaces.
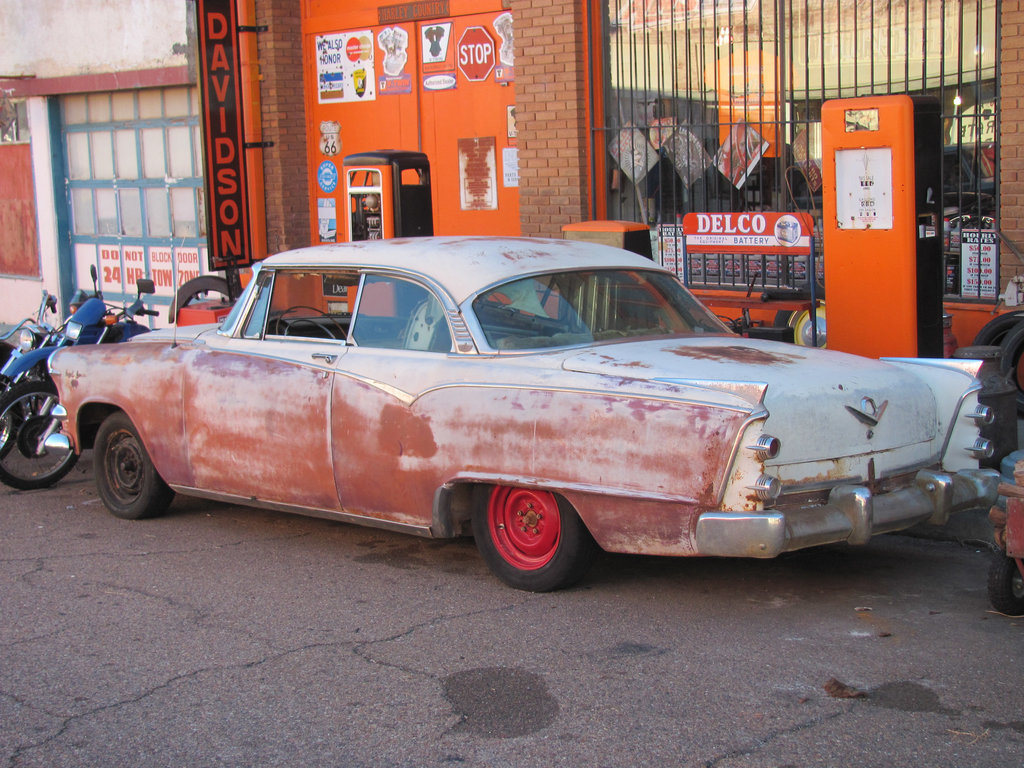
pixel 869 413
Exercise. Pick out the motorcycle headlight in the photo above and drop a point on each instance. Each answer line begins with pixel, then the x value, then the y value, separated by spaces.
pixel 73 331
pixel 26 340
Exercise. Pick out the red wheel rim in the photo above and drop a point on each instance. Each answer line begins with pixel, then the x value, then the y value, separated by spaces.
pixel 525 526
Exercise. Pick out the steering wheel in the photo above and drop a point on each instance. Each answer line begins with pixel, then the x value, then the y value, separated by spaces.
pixel 320 313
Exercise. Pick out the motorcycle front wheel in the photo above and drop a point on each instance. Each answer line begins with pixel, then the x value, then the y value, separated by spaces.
pixel 25 463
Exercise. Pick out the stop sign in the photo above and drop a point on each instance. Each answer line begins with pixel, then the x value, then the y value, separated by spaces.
pixel 476 53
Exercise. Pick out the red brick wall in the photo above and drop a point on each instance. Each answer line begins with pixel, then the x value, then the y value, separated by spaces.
pixel 550 114
pixel 284 123
pixel 1011 135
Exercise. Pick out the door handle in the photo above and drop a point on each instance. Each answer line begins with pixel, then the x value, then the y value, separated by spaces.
pixel 327 358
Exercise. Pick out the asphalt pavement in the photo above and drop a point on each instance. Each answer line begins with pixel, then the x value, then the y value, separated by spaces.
pixel 225 636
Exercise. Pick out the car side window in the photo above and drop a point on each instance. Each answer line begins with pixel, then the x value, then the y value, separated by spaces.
pixel 302 304
pixel 253 328
pixel 399 314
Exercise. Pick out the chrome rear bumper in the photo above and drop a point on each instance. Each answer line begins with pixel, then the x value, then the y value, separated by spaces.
pixel 852 514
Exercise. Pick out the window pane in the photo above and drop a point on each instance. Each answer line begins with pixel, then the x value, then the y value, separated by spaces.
pixel 81 212
pixel 131 212
pixel 180 151
pixel 127 154
pixel 102 155
pixel 106 212
pixel 150 104
pixel 74 110
pixel 78 155
pixel 176 102
pixel 197 151
pixel 153 165
pixel 201 193
pixel 183 211
pixel 124 105
pixel 99 108
pixel 158 213
pixel 254 325
pixel 397 314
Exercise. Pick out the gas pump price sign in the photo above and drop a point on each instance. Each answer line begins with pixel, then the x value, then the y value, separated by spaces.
pixel 978 248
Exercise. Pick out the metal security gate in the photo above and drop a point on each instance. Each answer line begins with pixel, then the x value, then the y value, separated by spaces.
pixel 715 105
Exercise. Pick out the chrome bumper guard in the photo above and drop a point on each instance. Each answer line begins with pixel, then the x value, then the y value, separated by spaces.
pixel 852 514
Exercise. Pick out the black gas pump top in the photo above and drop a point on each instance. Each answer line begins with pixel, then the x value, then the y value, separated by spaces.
pixel 398 157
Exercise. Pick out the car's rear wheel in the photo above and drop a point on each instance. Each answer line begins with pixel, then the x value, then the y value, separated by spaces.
pixel 1006 586
pixel 126 479
pixel 531 539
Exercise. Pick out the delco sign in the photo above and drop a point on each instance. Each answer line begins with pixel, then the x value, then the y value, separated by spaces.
pixel 761 232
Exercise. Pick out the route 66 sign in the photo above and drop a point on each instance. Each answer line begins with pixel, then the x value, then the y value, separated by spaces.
pixel 330 137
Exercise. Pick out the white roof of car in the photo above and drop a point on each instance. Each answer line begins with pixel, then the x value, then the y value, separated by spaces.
pixel 465 265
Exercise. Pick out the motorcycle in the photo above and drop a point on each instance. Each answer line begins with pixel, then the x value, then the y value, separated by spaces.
pixel 29 333
pixel 30 395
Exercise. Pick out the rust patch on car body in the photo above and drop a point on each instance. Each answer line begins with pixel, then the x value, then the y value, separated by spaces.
pixel 735 354
pixel 587 445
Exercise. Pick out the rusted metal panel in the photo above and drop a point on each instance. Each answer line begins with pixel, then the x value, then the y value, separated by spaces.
pixel 1015 528
pixel 257 426
pixel 605 449
pixel 19 248
pixel 141 378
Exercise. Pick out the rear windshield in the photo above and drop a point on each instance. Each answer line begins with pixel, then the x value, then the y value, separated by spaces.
pixel 581 307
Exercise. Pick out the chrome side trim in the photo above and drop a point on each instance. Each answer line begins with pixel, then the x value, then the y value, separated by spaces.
pixel 561 486
pixel 957 412
pixel 326 514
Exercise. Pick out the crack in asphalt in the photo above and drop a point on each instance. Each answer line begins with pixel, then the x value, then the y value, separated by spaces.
pixel 42 559
pixel 357 648
pixel 772 736
pixel 68 720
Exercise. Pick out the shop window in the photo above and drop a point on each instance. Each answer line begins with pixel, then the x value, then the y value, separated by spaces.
pixel 126 152
pixel 135 183
pixel 716 106
pixel 13 120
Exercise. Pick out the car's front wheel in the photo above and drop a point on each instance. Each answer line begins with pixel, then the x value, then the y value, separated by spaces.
pixel 126 479
pixel 531 539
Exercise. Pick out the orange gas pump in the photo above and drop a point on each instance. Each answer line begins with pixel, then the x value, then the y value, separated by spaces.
pixel 882 225
pixel 387 194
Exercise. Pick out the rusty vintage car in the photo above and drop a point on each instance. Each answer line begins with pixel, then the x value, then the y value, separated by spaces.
pixel 549 397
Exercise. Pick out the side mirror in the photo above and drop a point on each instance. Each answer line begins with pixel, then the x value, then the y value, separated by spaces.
pixel 145 285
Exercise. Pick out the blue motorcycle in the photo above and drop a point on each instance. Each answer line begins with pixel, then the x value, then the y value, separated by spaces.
pixel 30 394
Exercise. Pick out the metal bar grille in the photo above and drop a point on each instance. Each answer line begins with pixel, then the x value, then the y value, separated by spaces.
pixel 715 105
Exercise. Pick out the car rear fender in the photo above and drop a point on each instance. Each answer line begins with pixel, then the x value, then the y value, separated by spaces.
pixel 954 382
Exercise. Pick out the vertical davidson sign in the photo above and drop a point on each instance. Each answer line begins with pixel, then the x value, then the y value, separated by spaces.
pixel 227 207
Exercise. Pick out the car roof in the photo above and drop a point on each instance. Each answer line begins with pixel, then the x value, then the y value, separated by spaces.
pixel 465 265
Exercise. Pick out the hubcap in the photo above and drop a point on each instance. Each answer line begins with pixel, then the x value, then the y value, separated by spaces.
pixel 124 470
pixel 525 526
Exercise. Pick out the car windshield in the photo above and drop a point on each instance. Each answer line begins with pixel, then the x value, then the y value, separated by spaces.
pixel 580 307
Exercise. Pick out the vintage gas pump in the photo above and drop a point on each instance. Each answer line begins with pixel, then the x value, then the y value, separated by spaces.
pixel 882 225
pixel 387 194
